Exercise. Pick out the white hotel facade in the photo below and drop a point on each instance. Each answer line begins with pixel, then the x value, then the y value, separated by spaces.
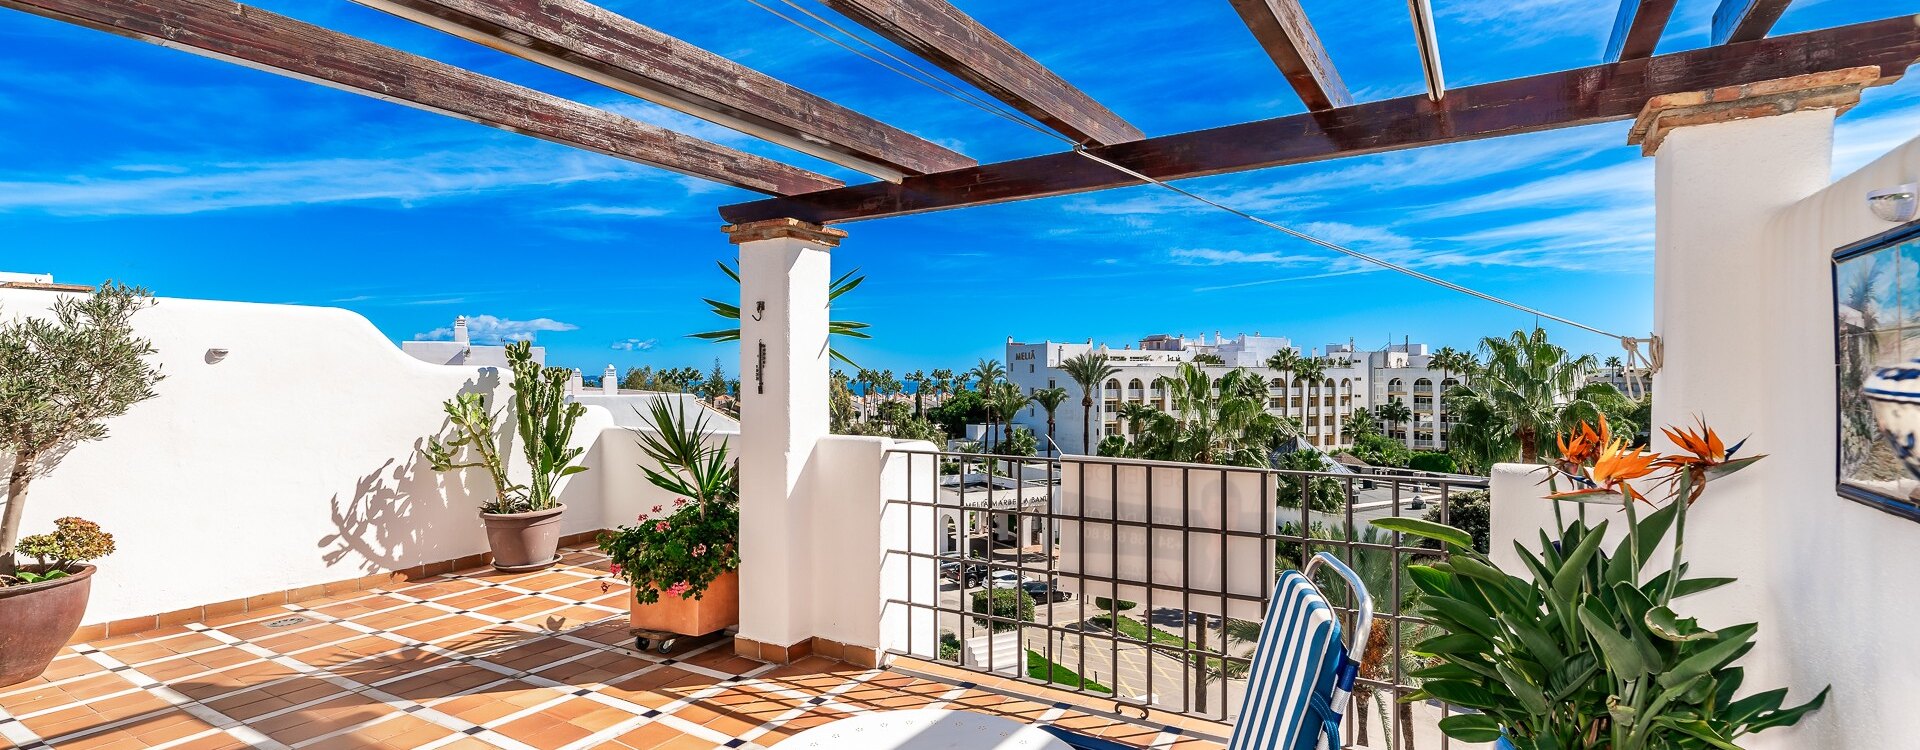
pixel 1355 380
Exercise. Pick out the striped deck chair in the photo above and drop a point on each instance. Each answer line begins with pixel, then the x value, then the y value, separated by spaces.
pixel 1301 674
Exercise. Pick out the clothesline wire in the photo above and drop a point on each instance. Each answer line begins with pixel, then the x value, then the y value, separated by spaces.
pixel 914 73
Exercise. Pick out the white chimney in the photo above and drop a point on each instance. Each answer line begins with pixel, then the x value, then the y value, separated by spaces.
pixel 577 383
pixel 460 330
pixel 610 381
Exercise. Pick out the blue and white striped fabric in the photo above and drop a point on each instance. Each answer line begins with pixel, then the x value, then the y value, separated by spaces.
pixel 1300 676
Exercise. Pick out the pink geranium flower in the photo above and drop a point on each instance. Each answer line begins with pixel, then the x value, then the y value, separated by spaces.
pixel 615 569
pixel 679 588
pixel 657 509
pixel 662 526
pixel 699 549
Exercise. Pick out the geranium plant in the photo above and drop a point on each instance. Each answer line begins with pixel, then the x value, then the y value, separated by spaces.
pixel 1586 650
pixel 680 550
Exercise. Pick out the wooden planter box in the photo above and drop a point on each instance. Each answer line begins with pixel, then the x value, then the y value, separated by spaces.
pixel 716 610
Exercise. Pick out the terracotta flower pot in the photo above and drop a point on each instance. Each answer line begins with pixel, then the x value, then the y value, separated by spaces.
pixel 717 609
pixel 524 542
pixel 39 619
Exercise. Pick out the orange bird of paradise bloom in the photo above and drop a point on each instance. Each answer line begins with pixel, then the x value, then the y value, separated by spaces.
pixel 1581 446
pixel 1614 465
pixel 1705 457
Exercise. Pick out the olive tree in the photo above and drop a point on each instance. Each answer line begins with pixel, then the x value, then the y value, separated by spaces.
pixel 61 379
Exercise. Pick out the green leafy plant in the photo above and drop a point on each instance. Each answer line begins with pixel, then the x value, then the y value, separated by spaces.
pixel 74 540
pixel 474 429
pixel 683 551
pixel 1586 652
pixel 61 379
pixel 850 329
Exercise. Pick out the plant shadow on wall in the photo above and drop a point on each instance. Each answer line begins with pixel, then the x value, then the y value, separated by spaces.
pixel 394 518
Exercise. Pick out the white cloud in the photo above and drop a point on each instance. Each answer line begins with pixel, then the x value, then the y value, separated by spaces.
pixel 1210 257
pixel 214 184
pixel 488 329
pixel 1858 142
pixel 1625 183
pixel 636 212
pixel 635 345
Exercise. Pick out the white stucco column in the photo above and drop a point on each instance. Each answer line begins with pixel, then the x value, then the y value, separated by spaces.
pixel 1728 164
pixel 784 278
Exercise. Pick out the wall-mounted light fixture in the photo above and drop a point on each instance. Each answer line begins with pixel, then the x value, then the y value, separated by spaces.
pixel 1896 204
pixel 215 355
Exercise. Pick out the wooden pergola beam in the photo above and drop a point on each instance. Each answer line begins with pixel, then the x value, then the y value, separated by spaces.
pixel 1602 93
pixel 610 49
pixel 1738 21
pixel 1637 28
pixel 277 44
pixel 954 41
pixel 1282 28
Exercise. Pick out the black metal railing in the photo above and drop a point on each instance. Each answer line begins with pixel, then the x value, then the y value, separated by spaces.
pixel 1069 539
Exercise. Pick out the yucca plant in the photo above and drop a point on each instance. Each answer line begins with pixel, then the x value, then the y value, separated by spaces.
pixel 850 329
pixel 1586 651
pixel 545 418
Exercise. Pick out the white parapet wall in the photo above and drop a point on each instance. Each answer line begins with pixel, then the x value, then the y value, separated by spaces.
pixel 1830 581
pixel 292 460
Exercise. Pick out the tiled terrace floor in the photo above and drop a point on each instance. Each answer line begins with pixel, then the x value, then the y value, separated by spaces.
pixel 473 659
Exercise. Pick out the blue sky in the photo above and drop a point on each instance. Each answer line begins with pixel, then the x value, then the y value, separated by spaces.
pixel 200 178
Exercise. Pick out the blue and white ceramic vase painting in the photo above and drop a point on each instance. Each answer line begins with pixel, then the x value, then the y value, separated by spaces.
pixel 1895 393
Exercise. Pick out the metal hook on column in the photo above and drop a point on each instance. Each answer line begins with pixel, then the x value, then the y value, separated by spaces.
pixel 759 308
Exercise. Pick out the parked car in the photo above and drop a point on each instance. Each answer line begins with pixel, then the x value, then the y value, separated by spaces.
pixel 1044 592
pixel 975 573
pixel 1007 579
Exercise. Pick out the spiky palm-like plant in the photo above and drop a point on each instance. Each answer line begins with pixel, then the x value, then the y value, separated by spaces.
pixel 1088 370
pixel 847 282
pixel 1532 387
pixel 1050 400
pixel 985 374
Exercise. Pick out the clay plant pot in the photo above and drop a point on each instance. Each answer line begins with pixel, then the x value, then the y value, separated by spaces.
pixel 39 618
pixel 524 542
pixel 715 610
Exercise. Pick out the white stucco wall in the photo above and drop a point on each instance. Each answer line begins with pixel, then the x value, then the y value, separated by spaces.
pixel 1746 246
pixel 292 462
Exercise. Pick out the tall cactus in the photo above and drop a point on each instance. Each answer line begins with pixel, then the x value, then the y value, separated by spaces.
pixel 546 421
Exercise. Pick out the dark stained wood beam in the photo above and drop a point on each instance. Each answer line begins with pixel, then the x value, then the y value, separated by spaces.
pixel 602 46
pixel 1282 29
pixel 1602 93
pixel 1745 20
pixel 944 36
pixel 277 44
pixel 1637 28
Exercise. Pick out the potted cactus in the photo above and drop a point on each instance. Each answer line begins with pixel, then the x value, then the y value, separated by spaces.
pixel 523 520
pixel 61 379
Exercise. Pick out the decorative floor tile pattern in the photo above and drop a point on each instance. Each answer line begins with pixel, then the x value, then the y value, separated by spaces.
pixel 472 659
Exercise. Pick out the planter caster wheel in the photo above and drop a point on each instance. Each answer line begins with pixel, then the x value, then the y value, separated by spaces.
pixel 666 646
pixel 641 643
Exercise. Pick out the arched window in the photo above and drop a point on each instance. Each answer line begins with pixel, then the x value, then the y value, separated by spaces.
pixel 1277 383
pixel 1396 386
pixel 1113 385
pixel 1134 385
pixel 1423 385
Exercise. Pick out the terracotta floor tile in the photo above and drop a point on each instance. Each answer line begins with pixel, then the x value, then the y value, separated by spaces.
pixel 317 691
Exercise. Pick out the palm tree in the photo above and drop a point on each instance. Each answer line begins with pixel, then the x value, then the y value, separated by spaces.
pixel 1530 387
pixel 1228 425
pixel 1284 362
pixel 1359 422
pixel 919 380
pixel 1136 415
pixel 1050 399
pixel 1395 411
pixel 1312 370
pixel 942 384
pixel 1088 370
pixel 1005 402
pixel 985 373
